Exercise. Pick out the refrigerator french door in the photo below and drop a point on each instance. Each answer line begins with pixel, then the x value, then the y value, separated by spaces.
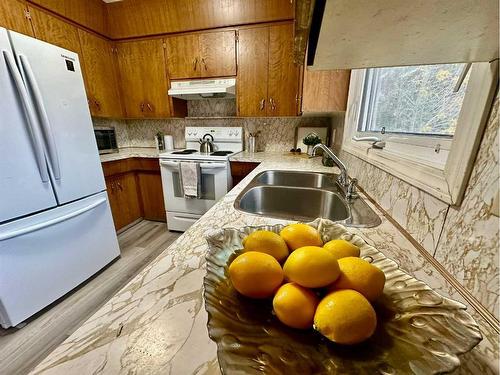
pixel 56 228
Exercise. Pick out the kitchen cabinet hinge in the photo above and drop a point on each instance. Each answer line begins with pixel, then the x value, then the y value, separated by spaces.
pixel 27 14
pixel 237 36
pixel 164 45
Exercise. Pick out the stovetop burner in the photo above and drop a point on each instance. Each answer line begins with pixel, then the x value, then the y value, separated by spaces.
pixel 221 153
pixel 185 152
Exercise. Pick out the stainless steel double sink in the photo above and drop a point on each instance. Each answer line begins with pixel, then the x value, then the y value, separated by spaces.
pixel 303 196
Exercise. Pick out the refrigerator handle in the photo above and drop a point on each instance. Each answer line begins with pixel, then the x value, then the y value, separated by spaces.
pixel 32 228
pixel 44 119
pixel 30 114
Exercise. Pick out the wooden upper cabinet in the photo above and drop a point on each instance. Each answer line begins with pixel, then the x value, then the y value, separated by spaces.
pixel 133 18
pixel 143 80
pixel 202 55
pixel 325 90
pixel 100 75
pixel 268 79
pixel 55 31
pixel 88 13
pixel 183 56
pixel 283 76
pixel 251 90
pixel 13 16
pixel 218 54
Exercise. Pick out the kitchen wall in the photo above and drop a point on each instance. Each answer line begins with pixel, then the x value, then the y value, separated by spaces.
pixel 276 133
pixel 465 240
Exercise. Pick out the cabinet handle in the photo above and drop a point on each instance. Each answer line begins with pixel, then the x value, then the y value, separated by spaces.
pixel 149 107
pixel 97 104
pixel 204 64
pixel 195 63
pixel 120 186
pixel 273 104
pixel 262 104
pixel 142 107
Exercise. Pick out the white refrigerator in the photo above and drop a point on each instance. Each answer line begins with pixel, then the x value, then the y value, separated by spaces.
pixel 56 228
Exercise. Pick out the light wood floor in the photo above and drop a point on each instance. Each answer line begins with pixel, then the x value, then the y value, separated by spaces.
pixel 21 349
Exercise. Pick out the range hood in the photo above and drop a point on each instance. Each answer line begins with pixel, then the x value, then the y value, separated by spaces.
pixel 203 89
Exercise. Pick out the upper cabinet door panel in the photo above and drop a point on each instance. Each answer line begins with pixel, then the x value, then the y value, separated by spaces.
pixel 183 56
pixel 88 13
pixel 132 18
pixel 283 81
pixel 101 83
pixel 218 54
pixel 325 90
pixel 54 31
pixel 12 17
pixel 143 79
pixel 251 87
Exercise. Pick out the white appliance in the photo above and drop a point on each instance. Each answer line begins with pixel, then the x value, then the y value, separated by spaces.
pixel 203 89
pixel 56 228
pixel 216 179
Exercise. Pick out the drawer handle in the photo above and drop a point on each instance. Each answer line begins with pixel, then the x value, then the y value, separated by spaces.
pixel 262 104
pixel 45 224
pixel 195 63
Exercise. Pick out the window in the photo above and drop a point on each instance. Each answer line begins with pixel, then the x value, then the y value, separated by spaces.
pixel 414 99
pixel 431 118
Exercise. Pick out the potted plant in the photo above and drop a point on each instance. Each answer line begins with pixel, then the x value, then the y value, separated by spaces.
pixel 310 141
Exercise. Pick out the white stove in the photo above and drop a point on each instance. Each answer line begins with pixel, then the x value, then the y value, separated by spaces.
pixel 215 173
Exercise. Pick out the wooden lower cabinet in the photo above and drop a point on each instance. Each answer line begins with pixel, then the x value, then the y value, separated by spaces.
pixel 123 199
pixel 240 169
pixel 135 190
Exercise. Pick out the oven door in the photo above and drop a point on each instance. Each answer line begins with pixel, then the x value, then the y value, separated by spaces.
pixel 214 185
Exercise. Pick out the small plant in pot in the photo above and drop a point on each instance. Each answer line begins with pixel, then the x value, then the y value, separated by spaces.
pixel 310 141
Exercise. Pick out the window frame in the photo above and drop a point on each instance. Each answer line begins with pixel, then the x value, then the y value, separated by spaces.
pixel 446 180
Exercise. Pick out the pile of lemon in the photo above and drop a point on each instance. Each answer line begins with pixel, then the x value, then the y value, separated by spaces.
pixel 327 286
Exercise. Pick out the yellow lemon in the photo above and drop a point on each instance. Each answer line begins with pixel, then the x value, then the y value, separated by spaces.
pixel 345 317
pixel 299 235
pixel 312 267
pixel 295 305
pixel 267 242
pixel 256 275
pixel 358 274
pixel 342 249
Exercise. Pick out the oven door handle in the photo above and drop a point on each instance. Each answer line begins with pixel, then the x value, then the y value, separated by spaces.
pixel 173 164
pixel 212 165
pixel 170 164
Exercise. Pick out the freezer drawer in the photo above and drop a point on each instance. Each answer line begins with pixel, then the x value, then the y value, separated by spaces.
pixel 44 256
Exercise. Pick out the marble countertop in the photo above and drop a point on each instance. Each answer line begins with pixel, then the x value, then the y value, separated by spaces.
pixel 130 152
pixel 157 322
pixel 259 157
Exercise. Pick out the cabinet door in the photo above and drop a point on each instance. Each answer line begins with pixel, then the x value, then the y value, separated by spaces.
pixel 251 90
pixel 13 17
pixel 112 189
pixel 152 196
pixel 128 198
pixel 54 31
pixel 218 54
pixel 283 81
pixel 325 90
pixel 100 73
pixel 143 80
pixel 183 56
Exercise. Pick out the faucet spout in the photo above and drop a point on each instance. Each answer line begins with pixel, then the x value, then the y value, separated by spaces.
pixel 342 179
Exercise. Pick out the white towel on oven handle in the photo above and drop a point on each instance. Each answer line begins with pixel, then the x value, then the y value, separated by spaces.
pixel 190 174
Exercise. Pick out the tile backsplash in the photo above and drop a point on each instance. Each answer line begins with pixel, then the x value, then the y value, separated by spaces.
pixel 276 133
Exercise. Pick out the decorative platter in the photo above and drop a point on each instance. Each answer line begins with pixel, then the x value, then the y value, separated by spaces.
pixel 418 332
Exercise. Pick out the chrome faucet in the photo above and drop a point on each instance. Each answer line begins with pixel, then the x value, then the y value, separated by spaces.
pixel 343 178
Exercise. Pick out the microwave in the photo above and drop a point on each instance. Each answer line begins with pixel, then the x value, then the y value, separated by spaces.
pixel 106 140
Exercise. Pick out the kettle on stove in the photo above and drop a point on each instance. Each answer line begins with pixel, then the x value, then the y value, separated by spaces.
pixel 206 144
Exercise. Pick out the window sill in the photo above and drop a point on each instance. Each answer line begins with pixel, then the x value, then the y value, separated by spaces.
pixel 412 172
